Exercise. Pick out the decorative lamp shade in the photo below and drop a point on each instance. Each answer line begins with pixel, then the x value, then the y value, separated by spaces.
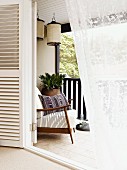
pixel 53 33
pixel 40 29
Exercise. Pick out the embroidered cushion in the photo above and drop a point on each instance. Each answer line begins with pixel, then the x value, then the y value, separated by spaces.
pixel 53 101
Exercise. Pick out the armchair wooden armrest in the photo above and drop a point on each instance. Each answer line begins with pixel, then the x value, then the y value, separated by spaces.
pixel 56 108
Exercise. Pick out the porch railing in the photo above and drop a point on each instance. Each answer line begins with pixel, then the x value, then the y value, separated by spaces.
pixel 72 89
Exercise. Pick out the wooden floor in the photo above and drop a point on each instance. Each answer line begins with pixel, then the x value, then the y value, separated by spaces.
pixel 81 151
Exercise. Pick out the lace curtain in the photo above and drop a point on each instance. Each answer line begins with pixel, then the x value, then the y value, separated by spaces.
pixel 100 34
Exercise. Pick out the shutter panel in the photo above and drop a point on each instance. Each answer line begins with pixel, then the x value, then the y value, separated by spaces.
pixel 10 132
pixel 9 37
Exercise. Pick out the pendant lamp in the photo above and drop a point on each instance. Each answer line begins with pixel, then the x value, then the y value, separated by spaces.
pixel 53 32
pixel 40 28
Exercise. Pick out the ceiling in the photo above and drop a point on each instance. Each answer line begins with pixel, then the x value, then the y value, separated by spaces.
pixel 46 8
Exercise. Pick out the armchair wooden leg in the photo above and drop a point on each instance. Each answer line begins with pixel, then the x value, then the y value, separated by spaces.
pixel 71 136
pixel 68 123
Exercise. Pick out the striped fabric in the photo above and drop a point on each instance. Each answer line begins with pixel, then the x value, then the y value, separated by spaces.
pixel 58 120
pixel 52 102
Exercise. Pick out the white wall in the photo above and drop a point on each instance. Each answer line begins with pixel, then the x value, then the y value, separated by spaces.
pixel 45 59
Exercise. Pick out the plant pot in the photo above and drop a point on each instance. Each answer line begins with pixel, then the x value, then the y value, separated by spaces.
pixel 51 92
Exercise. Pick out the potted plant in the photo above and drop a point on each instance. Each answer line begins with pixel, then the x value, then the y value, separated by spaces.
pixel 51 83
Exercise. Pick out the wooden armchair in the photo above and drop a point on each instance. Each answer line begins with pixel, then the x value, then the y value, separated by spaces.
pixel 57 122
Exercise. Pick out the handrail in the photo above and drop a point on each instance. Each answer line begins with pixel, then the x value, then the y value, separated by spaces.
pixel 56 108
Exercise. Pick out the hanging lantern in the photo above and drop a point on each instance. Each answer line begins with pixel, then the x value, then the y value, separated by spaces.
pixel 53 32
pixel 40 28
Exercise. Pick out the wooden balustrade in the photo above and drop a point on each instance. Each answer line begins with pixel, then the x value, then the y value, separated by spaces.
pixel 72 89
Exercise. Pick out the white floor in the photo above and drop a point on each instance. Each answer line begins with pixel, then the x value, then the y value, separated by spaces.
pixel 20 159
pixel 81 151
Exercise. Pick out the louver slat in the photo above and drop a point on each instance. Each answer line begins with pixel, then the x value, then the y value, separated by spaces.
pixel 8 127
pixel 13 138
pixel 9 101
pixel 9 134
pixel 9 123
pixel 9 120
pixel 9 65
pixel 9 131
pixel 9 116
pixel 9 97
pixel 9 109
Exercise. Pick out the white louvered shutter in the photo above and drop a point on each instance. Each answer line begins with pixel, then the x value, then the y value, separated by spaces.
pixel 10 111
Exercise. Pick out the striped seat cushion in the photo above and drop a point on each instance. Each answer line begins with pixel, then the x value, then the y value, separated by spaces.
pixel 53 102
pixel 58 120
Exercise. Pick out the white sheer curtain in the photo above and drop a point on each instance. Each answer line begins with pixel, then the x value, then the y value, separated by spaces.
pixel 100 34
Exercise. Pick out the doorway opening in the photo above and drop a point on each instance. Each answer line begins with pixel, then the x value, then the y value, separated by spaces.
pixel 60 144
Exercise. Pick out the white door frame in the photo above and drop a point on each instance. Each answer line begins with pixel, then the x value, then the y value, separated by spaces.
pixel 29 75
pixel 26 62
pixel 34 69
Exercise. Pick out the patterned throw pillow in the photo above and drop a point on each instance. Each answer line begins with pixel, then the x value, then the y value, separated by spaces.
pixel 53 101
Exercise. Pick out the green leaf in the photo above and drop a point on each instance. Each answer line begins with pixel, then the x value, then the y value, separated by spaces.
pixel 52 81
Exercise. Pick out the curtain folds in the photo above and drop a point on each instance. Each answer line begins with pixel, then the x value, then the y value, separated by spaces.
pixel 100 35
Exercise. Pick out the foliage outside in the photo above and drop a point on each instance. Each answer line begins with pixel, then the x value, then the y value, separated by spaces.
pixel 68 62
